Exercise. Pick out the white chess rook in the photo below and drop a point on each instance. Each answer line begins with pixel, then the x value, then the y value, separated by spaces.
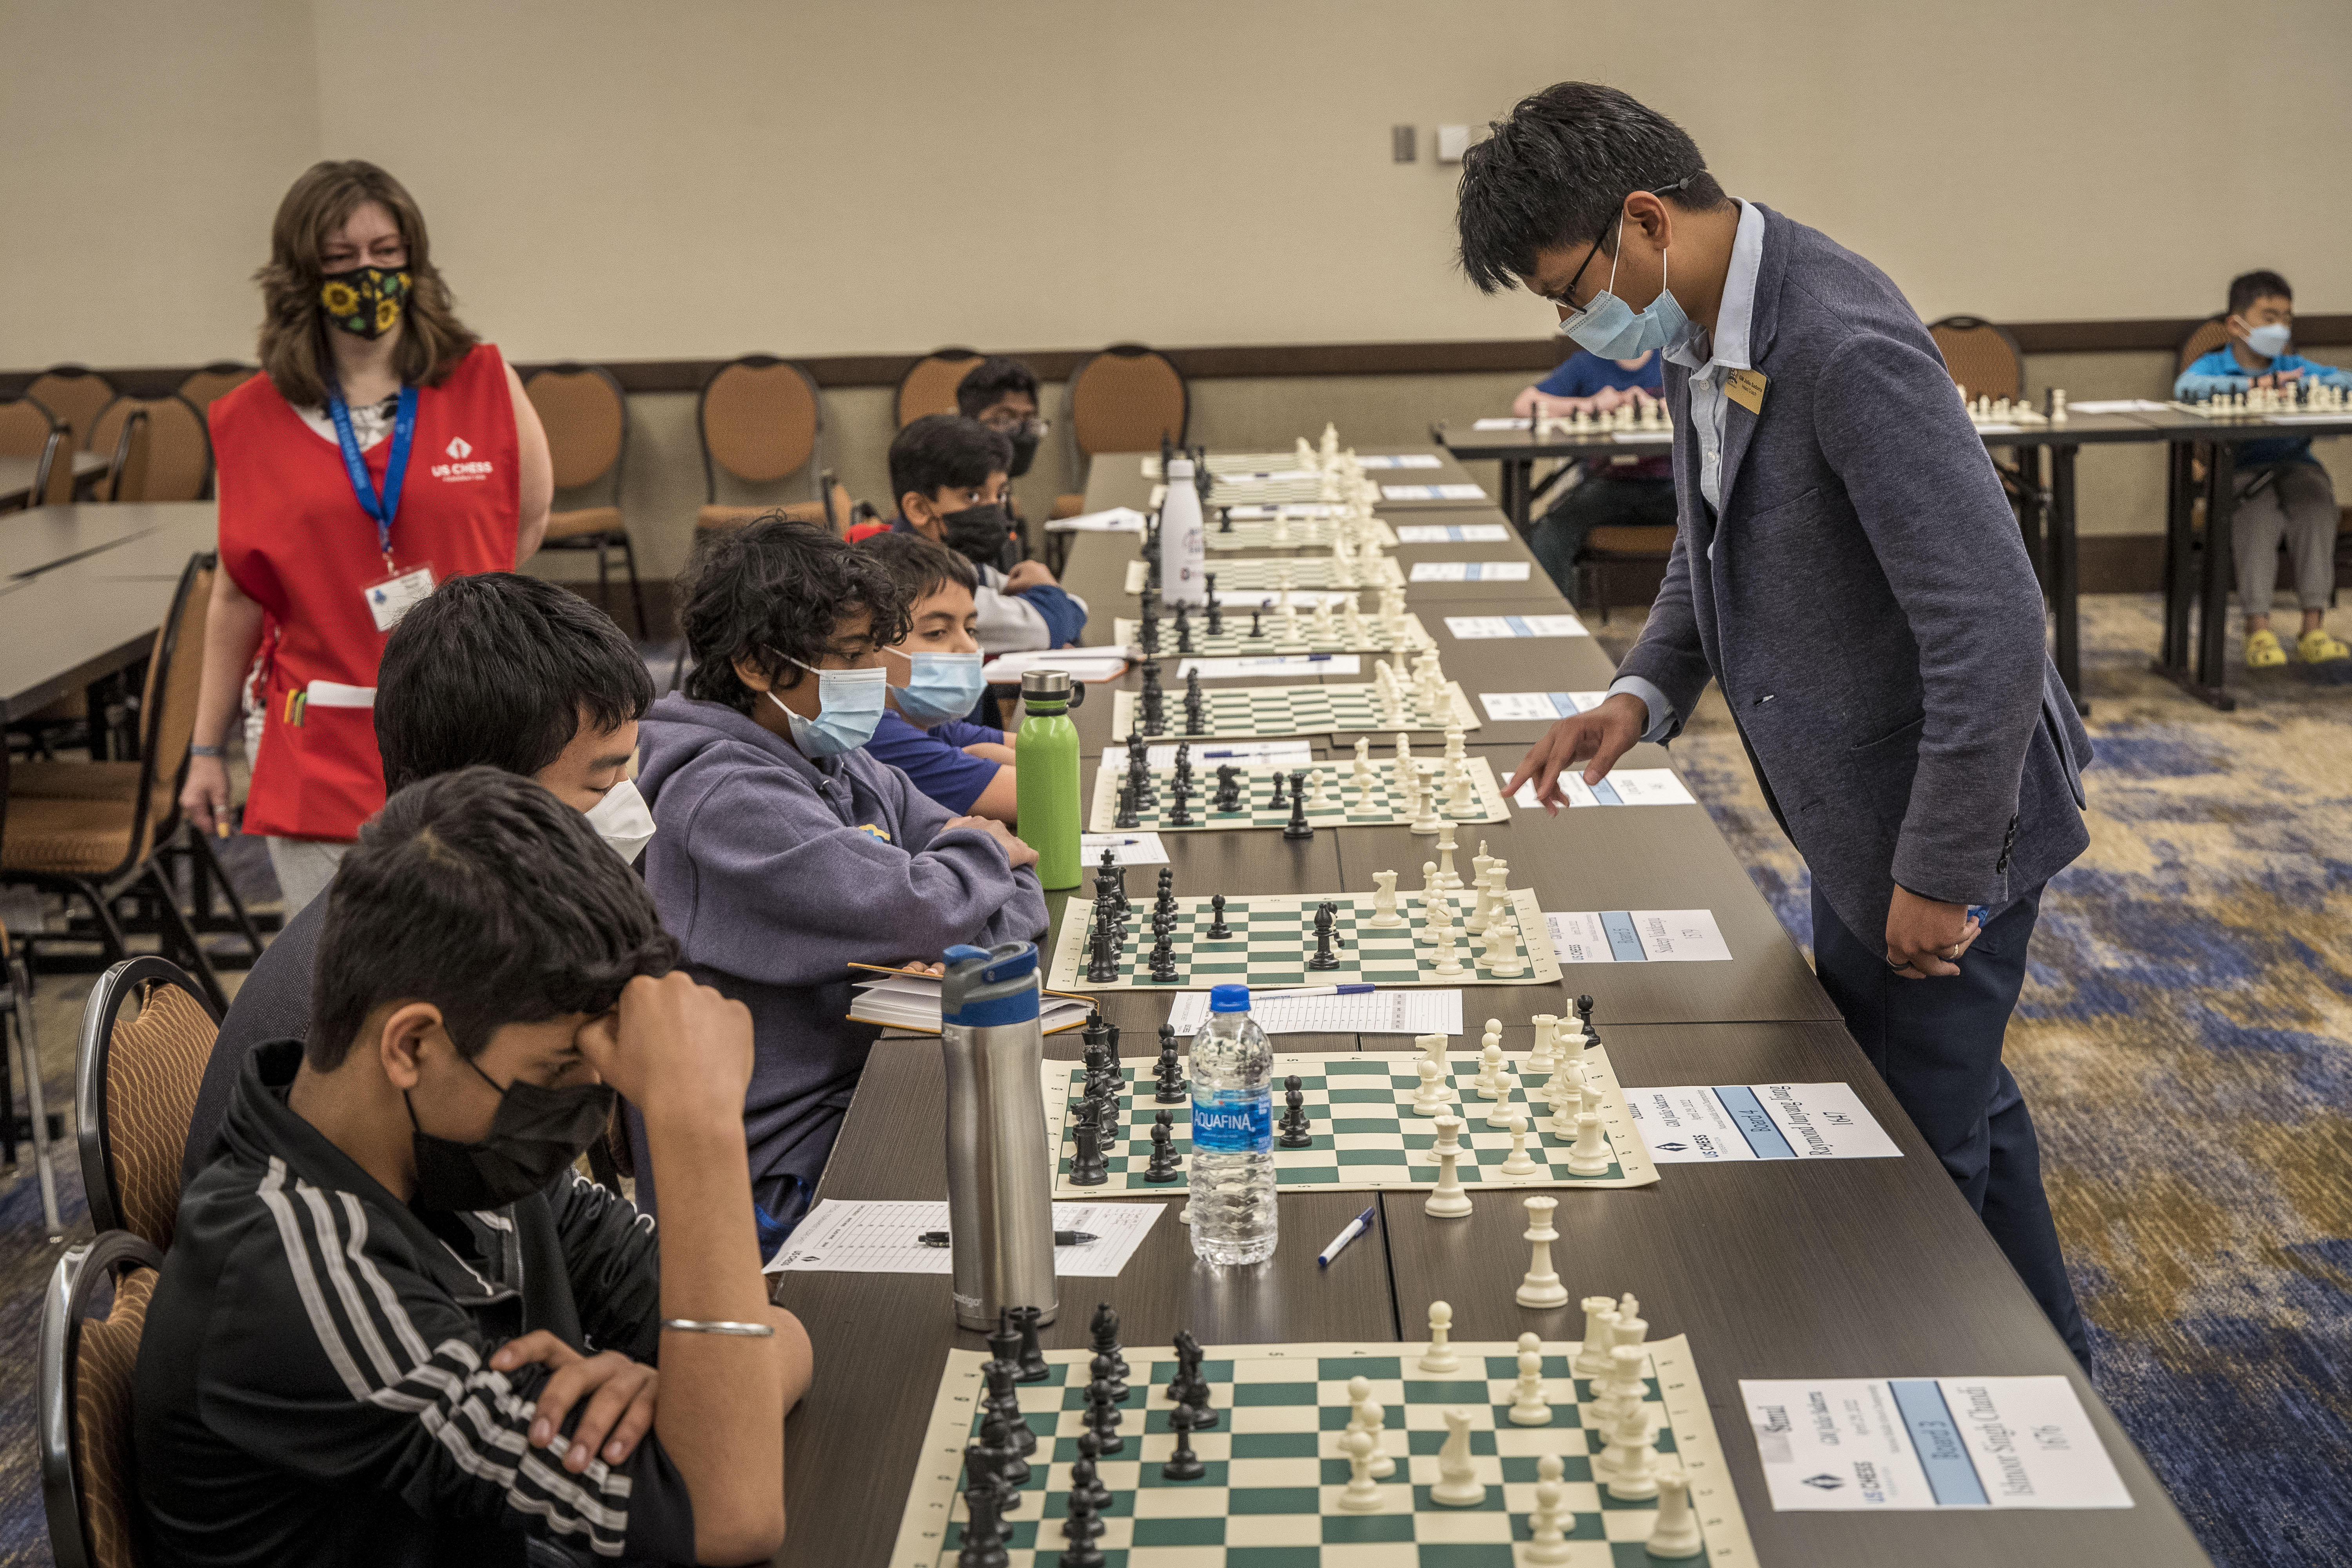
pixel 1589 1154
pixel 1592 1356
pixel 1675 1535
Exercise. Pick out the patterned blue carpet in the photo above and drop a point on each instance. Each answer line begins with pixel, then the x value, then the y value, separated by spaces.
pixel 2185 1039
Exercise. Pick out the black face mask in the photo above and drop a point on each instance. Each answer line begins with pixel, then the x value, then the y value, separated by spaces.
pixel 978 533
pixel 1024 452
pixel 535 1135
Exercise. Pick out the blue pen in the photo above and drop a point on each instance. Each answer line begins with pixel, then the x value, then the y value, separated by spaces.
pixel 1356 1228
pixel 1362 990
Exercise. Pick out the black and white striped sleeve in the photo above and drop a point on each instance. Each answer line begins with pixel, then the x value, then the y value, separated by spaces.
pixel 331 1352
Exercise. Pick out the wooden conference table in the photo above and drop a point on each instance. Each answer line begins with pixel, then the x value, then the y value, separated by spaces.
pixel 83 590
pixel 1861 1267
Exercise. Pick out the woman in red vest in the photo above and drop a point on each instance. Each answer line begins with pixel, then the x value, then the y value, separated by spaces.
pixel 385 449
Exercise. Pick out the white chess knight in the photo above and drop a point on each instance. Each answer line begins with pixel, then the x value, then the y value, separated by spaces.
pixel 1384 902
pixel 1541 1287
pixel 1458 1485
pixel 1441 1356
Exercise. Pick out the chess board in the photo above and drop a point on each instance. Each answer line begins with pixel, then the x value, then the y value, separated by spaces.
pixel 1291 533
pixel 1272 712
pixel 1367 1138
pixel 1275 1470
pixel 1271 574
pixel 1277 634
pixel 1344 805
pixel 1234 463
pixel 1274 936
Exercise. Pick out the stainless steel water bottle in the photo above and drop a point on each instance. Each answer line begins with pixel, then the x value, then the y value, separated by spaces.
pixel 999 1175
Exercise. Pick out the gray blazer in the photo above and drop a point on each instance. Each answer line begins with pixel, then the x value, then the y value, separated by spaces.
pixel 1867 605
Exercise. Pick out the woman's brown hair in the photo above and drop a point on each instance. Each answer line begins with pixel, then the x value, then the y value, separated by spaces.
pixel 294 351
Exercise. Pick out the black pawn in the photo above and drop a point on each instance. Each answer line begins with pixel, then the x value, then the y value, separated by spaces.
pixel 1225 523
pixel 1254 631
pixel 1030 1366
pixel 1103 1417
pixel 1277 800
pixel 1079 1530
pixel 1012 1469
pixel 1163 958
pixel 1169 1084
pixel 1324 957
pixel 1102 955
pixel 1163 1167
pixel 1087 1167
pixel 1000 1373
pixel 1295 1132
pixel 1298 826
pixel 1196 722
pixel 983 1528
pixel 1216 610
pixel 1126 816
pixel 1218 929
pixel 1084 1480
pixel 1183 1464
pixel 1180 805
pixel 1103 1328
pixel 1196 1397
pixel 1183 629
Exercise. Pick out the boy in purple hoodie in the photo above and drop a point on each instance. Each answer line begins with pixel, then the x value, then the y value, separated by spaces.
pixel 785 852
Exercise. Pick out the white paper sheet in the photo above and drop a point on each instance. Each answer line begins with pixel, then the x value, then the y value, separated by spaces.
pixel 1861 1444
pixel 1702 1124
pixel 1500 424
pixel 1469 571
pixel 1295 665
pixel 1452 533
pixel 1118 520
pixel 843 1237
pixel 1127 848
pixel 2119 406
pixel 1503 707
pixel 1471 628
pixel 1432 492
pixel 1623 786
pixel 1093 665
pixel 1257 511
pixel 1402 460
pixel 1290 753
pixel 1412 1012
pixel 1638 936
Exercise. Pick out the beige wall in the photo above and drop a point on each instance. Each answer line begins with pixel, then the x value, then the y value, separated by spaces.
pixel 609 179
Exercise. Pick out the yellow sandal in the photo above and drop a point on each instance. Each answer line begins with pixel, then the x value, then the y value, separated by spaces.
pixel 2315 646
pixel 2262 650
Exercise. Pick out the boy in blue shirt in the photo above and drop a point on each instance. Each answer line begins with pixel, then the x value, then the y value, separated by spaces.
pixel 2281 488
pixel 934 680
pixel 948 474
pixel 1625 492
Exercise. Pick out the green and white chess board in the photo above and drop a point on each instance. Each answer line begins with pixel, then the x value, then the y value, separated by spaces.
pixel 1341 804
pixel 1273 574
pixel 1274 936
pixel 1285 534
pixel 1277 634
pixel 1366 1137
pixel 1272 712
pixel 1274 1469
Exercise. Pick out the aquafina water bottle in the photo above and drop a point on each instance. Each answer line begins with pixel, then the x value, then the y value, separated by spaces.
pixel 1232 1134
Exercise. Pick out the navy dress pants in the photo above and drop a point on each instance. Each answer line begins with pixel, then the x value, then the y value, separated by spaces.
pixel 1937 1042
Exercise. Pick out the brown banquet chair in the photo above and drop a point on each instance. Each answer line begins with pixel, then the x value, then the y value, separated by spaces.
pixel 929 384
pixel 135 1083
pixel 220 376
pixel 1124 399
pixel 160 447
pixel 82 1423
pixel 29 430
pixel 762 420
pixel 75 394
pixel 587 419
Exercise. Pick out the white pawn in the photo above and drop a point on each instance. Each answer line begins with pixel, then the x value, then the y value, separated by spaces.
pixel 1458 1485
pixel 1449 1201
pixel 1504 1109
pixel 1436 915
pixel 1371 1418
pixel 1549 1547
pixel 1529 1405
pixel 1363 1494
pixel 1447 1140
pixel 1455 751
pixel 1446 962
pixel 1541 1288
pixel 1519 1165
pixel 1588 1156
pixel 1431 1099
pixel 1384 902
pixel 1447 877
pixel 1592 1356
pixel 1421 805
pixel 1440 1357
pixel 1675 1535
pixel 1488 1083
pixel 1540 1059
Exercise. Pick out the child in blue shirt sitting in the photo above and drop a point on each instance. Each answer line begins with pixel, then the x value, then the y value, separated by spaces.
pixel 1626 492
pixel 2281 489
pixel 934 680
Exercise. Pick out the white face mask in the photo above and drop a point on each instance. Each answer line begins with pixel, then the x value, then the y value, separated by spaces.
pixel 623 820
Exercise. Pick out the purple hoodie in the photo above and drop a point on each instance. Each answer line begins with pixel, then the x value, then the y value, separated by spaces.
pixel 774 872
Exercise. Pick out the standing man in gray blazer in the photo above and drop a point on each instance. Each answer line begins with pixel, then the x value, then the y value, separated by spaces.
pixel 1846 567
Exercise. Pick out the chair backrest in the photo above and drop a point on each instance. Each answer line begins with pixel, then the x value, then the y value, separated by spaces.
pixel 1981 356
pixel 75 394
pixel 222 376
pixel 760 418
pixel 87 1368
pixel 135 1082
pixel 161 450
pixel 2207 336
pixel 1125 399
pixel 929 384
pixel 587 419
pixel 29 430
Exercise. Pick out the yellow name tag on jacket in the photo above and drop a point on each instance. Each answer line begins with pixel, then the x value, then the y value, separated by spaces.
pixel 1745 387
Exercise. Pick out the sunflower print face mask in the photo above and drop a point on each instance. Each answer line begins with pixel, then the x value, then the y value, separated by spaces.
pixel 366 301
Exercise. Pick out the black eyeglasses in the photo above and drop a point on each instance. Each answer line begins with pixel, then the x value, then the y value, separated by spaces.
pixel 1568 296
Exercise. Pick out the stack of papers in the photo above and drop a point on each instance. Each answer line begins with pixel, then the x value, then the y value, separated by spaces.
pixel 1092 665
pixel 1365 1012
pixel 843 1237
pixel 907 999
pixel 1118 520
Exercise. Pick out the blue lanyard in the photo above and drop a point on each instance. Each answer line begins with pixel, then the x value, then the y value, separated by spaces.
pixel 379 507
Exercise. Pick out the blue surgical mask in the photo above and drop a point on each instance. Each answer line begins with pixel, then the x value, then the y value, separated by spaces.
pixel 848 706
pixel 939 686
pixel 2269 341
pixel 1613 329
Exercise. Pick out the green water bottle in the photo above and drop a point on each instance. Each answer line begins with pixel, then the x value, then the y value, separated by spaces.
pixel 1046 777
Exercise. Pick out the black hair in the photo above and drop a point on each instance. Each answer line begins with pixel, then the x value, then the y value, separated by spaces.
pixel 483 894
pixel 771 593
pixel 2263 284
pixel 1556 172
pixel 941 451
pixel 498 668
pixel 922 567
pixel 985 384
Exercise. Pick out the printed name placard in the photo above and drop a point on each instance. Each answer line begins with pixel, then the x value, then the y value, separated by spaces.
pixel 1473 627
pixel 1729 1123
pixel 1432 492
pixel 1638 936
pixel 1452 533
pixel 1470 570
pixel 1623 786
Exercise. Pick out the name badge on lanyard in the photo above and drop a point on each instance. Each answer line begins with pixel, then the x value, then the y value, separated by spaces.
pixel 397 592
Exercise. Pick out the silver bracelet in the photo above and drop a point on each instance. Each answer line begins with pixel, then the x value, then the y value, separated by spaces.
pixel 196 750
pixel 747 1331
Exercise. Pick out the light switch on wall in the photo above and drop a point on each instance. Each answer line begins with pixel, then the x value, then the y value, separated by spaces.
pixel 1402 142
pixel 1452 141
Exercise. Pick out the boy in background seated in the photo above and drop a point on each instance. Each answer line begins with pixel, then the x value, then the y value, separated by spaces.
pixel 497 670
pixel 784 851
pixel 934 681
pixel 2281 489
pixel 948 474
pixel 1631 492
pixel 1002 394
pixel 394 1325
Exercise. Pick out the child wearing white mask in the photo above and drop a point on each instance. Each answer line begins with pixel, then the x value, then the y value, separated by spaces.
pixel 2282 491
